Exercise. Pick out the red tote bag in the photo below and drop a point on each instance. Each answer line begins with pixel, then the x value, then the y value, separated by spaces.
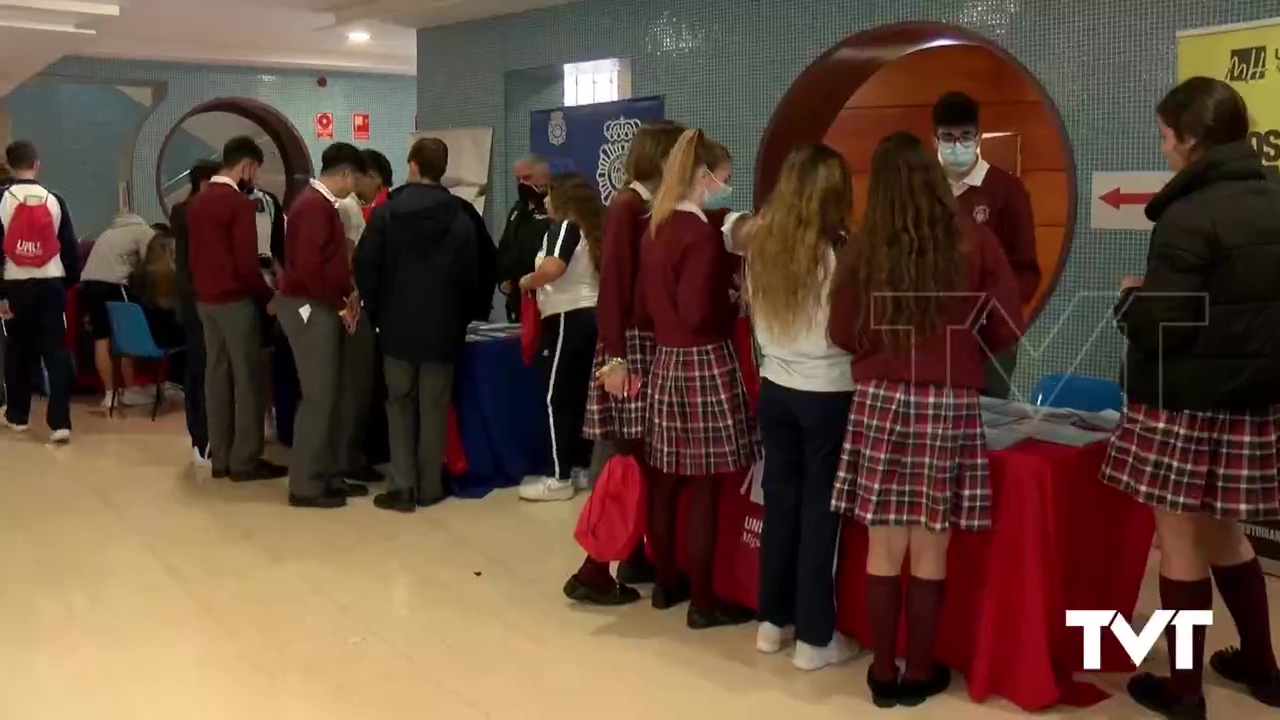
pixel 613 519
pixel 530 327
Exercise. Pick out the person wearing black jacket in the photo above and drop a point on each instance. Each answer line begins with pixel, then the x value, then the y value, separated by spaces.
pixel 417 273
pixel 193 381
pixel 527 224
pixel 1198 439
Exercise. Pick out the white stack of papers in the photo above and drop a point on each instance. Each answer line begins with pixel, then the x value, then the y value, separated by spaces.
pixel 1008 422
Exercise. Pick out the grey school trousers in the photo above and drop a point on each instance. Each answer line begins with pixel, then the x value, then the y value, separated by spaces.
pixel 417 415
pixel 315 334
pixel 233 384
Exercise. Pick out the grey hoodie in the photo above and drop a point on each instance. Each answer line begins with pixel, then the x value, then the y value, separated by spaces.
pixel 118 251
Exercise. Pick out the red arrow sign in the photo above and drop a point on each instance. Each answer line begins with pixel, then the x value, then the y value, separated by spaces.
pixel 1115 198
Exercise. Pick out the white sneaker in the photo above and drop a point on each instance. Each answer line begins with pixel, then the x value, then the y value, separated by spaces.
pixel 548 490
pixel 200 458
pixel 16 427
pixel 771 639
pixel 108 401
pixel 581 478
pixel 60 437
pixel 810 657
pixel 142 395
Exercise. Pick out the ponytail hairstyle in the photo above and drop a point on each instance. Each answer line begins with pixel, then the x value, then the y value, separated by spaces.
pixel 575 200
pixel 692 152
pixel 649 150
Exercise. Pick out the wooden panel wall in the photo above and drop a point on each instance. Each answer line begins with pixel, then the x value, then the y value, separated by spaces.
pixel 901 97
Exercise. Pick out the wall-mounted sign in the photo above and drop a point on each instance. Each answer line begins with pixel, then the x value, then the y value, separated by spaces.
pixel 324 126
pixel 1118 199
pixel 360 126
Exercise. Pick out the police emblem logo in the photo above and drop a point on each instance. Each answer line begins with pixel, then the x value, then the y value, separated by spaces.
pixel 611 170
pixel 1246 65
pixel 981 213
pixel 557 130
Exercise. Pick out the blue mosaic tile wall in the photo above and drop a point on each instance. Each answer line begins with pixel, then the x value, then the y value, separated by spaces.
pixel 88 134
pixel 723 65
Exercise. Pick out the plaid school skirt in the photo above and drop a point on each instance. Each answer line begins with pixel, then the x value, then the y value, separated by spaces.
pixel 1220 463
pixel 914 455
pixel 697 418
pixel 611 418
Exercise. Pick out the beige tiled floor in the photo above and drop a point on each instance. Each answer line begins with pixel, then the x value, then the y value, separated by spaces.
pixel 132 589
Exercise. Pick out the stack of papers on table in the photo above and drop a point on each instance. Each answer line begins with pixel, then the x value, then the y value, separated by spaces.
pixel 478 331
pixel 1008 422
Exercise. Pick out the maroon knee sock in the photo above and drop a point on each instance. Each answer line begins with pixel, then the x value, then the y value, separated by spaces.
pixel 1244 591
pixel 1186 595
pixel 924 605
pixel 700 534
pixel 664 496
pixel 884 602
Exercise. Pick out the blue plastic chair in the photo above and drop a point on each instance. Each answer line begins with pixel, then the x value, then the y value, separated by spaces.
pixel 1077 392
pixel 131 337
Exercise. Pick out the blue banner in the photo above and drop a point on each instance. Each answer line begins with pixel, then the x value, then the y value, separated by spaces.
pixel 592 139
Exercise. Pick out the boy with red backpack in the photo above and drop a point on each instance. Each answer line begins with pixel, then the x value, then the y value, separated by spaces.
pixel 40 261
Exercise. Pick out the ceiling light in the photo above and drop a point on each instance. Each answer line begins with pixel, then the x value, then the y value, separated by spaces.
pixel 358 36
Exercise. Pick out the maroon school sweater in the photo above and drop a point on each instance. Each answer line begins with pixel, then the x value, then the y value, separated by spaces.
pixel 316 252
pixel 952 355
pixel 686 277
pixel 222 238
pixel 624 225
pixel 1002 204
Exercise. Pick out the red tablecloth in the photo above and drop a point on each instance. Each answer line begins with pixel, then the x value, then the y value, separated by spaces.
pixel 1061 540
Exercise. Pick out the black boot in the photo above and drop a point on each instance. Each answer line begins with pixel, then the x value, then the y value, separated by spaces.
pixel 1153 693
pixel 396 500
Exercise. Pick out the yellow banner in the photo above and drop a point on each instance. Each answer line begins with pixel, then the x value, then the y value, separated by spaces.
pixel 1248 57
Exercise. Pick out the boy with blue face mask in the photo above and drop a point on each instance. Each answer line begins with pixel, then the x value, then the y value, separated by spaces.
pixel 992 197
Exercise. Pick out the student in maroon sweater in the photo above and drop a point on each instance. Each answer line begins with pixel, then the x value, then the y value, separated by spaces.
pixel 698 427
pixel 229 290
pixel 992 197
pixel 917 293
pixel 317 306
pixel 616 401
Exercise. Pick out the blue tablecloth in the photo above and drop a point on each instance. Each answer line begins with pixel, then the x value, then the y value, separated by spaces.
pixel 502 414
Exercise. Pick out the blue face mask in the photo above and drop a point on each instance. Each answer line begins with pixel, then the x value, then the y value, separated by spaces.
pixel 718 199
pixel 958 156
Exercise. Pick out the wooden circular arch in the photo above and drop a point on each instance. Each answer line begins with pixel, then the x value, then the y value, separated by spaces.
pixel 293 149
pixel 816 98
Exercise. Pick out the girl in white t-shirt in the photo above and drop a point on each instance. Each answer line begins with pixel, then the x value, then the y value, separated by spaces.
pixel 805 393
pixel 566 281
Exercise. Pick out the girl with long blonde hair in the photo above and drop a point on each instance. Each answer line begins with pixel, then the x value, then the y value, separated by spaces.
pixel 624 353
pixel 922 295
pixel 805 392
pixel 698 426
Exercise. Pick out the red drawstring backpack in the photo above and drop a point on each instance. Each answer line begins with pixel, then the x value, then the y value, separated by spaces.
pixel 530 327
pixel 614 517
pixel 30 239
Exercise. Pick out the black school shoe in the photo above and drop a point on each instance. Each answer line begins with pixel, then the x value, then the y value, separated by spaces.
pixel 884 694
pixel 1153 693
pixel 635 573
pixel 722 614
pixel 261 470
pixel 1232 665
pixel 914 692
pixel 665 598
pixel 396 501
pixel 348 489
pixel 327 501
pixel 618 594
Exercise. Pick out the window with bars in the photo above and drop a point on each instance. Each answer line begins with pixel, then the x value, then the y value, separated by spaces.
pixel 596 81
